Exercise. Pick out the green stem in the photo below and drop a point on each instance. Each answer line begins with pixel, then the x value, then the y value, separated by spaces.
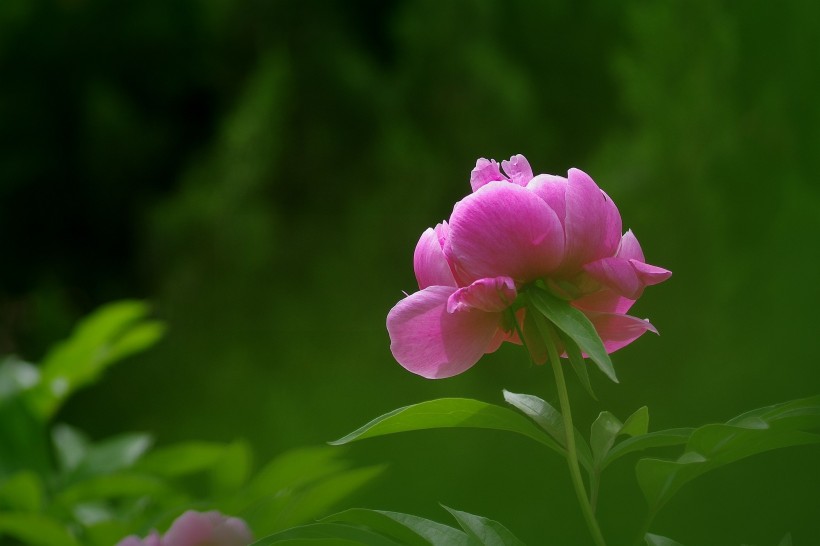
pixel 572 453
pixel 650 517
pixel 594 486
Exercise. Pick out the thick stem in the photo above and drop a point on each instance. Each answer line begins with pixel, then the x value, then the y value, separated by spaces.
pixel 572 453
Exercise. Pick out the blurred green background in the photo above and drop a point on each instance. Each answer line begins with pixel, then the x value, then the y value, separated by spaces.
pixel 261 171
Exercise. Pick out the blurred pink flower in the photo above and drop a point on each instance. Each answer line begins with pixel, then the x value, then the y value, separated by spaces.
pixel 198 529
pixel 514 229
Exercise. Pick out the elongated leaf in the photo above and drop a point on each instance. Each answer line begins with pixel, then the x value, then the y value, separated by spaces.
pixel 315 501
pixel 35 529
pixel 638 423
pixel 111 333
pixel 715 445
pixel 16 376
pixel 325 534
pixel 657 540
pixel 603 432
pixel 182 459
pixel 70 446
pixel 111 455
pixel 579 365
pixel 607 428
pixel 233 469
pixel 575 325
pixel 661 438
pixel 405 528
pixel 548 418
pixel 450 413
pixel 24 492
pixel 112 486
pixel 486 531
pixel 292 471
pixel 23 439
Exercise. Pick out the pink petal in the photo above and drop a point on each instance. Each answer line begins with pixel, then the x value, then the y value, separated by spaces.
pixel 630 248
pixel 485 171
pixel 504 230
pixel 604 300
pixel 552 189
pixel 626 277
pixel 518 169
pixel 650 275
pixel 232 532
pixel 190 529
pixel 429 263
pixel 592 223
pixel 618 331
pixel 430 342
pixel 488 295
pixel 617 274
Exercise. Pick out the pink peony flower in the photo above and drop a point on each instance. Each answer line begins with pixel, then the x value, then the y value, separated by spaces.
pixel 513 230
pixel 198 529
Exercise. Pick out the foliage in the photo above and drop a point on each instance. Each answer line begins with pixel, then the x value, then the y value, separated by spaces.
pixel 60 488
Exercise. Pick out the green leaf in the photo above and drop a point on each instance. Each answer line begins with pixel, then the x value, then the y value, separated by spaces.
pixel 182 459
pixel 603 432
pixel 575 325
pixel 657 540
pixel 23 439
pixel 450 413
pixel 16 376
pixel 233 469
pixel 315 501
pixel 486 531
pixel 548 418
pixel 327 534
pixel 661 438
pixel 23 491
pixel 607 428
pixel 70 446
pixel 112 486
pixel 291 471
pixel 405 528
pixel 579 365
pixel 786 540
pixel 111 333
pixel 111 455
pixel 34 529
pixel 715 445
pixel 637 424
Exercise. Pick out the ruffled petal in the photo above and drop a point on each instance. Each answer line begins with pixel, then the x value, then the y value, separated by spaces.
pixel 488 295
pixel 618 331
pixel 485 171
pixel 518 169
pixel 430 342
pixel 504 230
pixel 429 263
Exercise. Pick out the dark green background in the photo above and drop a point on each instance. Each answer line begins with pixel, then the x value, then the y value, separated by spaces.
pixel 261 171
